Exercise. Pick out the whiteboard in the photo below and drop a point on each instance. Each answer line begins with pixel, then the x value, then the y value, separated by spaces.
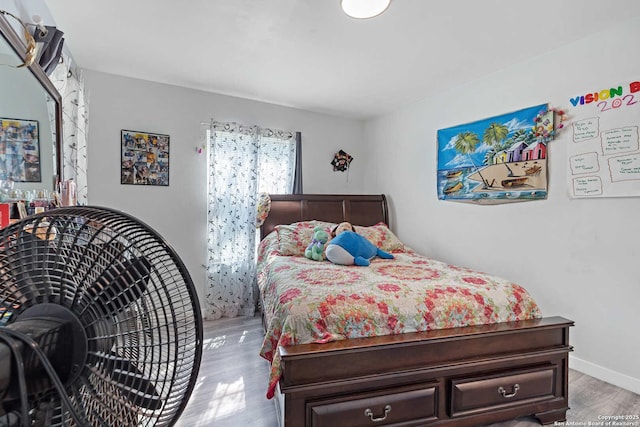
pixel 604 146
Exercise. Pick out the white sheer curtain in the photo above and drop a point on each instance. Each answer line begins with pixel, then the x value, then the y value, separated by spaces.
pixel 69 82
pixel 243 162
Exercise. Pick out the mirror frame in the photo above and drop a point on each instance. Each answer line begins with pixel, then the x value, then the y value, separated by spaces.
pixel 20 49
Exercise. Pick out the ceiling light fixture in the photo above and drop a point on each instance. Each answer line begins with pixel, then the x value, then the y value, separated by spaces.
pixel 362 9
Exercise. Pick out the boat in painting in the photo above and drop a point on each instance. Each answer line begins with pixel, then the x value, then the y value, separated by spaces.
pixel 453 188
pixel 454 174
pixel 533 170
pixel 514 182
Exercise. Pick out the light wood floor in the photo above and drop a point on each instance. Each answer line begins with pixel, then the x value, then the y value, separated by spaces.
pixel 233 382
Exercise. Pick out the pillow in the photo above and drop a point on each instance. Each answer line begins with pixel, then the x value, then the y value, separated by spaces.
pixel 382 237
pixel 264 206
pixel 294 238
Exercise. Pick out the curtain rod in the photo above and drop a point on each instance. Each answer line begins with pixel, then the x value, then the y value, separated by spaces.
pixel 258 126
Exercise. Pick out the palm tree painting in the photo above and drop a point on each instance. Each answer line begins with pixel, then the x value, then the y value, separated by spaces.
pixel 482 161
pixel 466 143
pixel 495 133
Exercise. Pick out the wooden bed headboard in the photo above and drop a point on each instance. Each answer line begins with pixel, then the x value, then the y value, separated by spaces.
pixel 358 209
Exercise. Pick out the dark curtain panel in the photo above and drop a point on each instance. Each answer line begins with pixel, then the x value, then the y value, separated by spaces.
pixel 50 50
pixel 297 178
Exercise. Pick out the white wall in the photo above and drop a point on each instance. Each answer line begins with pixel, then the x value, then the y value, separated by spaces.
pixel 579 258
pixel 178 212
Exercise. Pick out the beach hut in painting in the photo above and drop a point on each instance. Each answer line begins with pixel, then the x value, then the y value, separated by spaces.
pixel 501 157
pixel 536 151
pixel 514 153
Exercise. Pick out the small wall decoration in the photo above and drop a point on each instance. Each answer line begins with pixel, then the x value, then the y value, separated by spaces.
pixel 145 158
pixel 341 161
pixel 19 150
pixel 496 160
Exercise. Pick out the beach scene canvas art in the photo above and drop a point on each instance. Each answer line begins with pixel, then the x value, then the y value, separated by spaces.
pixel 496 160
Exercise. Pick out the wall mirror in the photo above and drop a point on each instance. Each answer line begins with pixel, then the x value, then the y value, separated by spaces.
pixel 31 111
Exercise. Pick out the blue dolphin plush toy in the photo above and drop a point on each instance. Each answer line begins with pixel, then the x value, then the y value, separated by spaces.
pixel 349 248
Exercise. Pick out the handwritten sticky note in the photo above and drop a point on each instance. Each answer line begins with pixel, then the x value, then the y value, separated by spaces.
pixel 587 186
pixel 586 129
pixel 625 168
pixel 584 163
pixel 621 140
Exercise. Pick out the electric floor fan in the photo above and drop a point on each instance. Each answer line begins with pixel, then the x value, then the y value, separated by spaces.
pixel 100 322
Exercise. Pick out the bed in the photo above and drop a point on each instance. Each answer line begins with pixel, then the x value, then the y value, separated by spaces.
pixel 498 361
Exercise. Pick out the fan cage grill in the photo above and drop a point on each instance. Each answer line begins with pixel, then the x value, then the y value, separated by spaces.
pixel 134 298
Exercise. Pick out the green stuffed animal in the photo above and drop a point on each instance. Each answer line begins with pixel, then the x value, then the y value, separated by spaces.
pixel 315 250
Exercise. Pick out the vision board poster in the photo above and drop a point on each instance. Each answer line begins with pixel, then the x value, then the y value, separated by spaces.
pixel 500 159
pixel 604 148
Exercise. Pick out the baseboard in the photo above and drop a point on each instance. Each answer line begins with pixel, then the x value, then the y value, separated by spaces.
pixel 605 374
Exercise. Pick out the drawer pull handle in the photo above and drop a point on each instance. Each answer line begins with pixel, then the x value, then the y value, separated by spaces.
pixel 369 413
pixel 506 395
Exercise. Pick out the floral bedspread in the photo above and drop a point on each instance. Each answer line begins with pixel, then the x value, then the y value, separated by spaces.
pixel 309 301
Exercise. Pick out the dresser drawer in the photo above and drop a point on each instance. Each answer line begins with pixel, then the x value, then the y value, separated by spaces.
pixel 472 395
pixel 381 408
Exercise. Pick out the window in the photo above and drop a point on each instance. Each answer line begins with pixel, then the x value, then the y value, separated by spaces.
pixel 242 162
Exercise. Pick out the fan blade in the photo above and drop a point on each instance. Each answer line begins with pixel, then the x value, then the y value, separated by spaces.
pixel 134 386
pixel 17 264
pixel 120 285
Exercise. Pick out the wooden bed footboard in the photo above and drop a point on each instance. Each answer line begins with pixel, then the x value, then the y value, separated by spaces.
pixel 463 377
